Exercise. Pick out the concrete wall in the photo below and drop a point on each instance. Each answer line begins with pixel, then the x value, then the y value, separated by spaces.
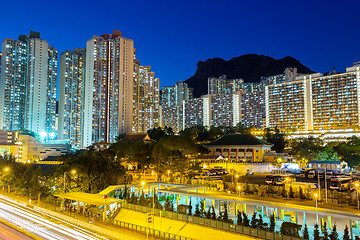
pixel 242 168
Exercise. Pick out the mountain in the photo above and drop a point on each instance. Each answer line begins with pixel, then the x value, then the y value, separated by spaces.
pixel 250 67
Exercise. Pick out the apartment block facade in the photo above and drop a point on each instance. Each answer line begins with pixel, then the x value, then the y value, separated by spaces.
pixel 71 87
pixel 28 85
pixel 146 102
pixel 108 88
pixel 315 102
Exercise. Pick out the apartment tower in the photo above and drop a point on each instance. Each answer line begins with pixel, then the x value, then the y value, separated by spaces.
pixel 108 88
pixel 28 85
pixel 71 81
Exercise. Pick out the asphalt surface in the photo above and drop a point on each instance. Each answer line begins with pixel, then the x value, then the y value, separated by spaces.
pixel 8 233
pixel 45 226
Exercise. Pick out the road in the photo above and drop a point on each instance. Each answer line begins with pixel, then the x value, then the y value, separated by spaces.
pixel 45 226
pixel 7 233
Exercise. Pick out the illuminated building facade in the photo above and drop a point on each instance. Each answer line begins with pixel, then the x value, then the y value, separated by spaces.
pixel 172 102
pixel 253 105
pixel 325 106
pixel 28 85
pixel 72 66
pixel 224 86
pixel 146 100
pixel 108 88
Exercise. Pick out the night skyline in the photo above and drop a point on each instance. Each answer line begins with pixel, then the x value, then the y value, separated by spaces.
pixel 173 38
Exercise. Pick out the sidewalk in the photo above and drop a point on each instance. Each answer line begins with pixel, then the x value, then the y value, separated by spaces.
pixel 185 229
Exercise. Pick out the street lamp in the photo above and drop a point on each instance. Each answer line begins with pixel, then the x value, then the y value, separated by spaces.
pixel 64 190
pixel 357 194
pixel 168 172
pixel 239 188
pixel 316 198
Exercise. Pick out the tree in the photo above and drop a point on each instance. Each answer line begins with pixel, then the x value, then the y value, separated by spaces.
pixel 260 224
pixel 316 232
pixel 276 138
pixel 272 223
pixel 202 209
pixel 197 211
pixel 327 154
pixel 291 192
pixel 208 213
pixel 167 204
pixel 190 209
pixel 253 220
pixel 246 221
pixel 346 235
pixel 225 216
pixel 213 214
pixel 95 170
pixel 290 229
pixel 239 219
pixel 283 192
pixel 176 153
pixel 305 149
pixel 325 232
pixel 301 193
pixel 305 233
pixel 334 234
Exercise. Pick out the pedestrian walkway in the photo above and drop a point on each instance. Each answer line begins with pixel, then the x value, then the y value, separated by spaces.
pixel 172 226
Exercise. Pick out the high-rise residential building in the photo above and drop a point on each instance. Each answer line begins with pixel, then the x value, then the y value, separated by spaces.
pixel 71 86
pixel 287 104
pixel 182 93
pixel 28 85
pixel 168 96
pixel 146 100
pixel 108 88
pixel 253 105
pixel 51 91
pixel 193 112
pixel 316 103
pixel 213 110
pixel 171 117
pixel 172 101
pixel 224 86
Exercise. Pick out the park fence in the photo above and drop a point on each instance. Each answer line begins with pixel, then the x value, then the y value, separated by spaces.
pixel 230 227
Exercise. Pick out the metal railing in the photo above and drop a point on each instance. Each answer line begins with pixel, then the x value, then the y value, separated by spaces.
pixel 230 227
pixel 152 232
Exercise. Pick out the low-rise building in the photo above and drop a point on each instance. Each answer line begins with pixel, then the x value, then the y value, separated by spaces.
pixel 239 148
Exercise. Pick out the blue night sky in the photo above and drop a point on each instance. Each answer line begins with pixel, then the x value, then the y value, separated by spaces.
pixel 172 36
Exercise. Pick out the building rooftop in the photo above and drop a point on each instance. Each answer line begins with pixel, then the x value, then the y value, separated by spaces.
pixel 332 162
pixel 238 139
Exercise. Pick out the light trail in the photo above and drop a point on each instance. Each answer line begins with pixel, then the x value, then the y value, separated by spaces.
pixel 34 222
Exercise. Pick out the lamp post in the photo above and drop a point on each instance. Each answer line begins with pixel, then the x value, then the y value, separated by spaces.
pixel 316 199
pixel 357 194
pixel 239 188
pixel 168 172
pixel 64 190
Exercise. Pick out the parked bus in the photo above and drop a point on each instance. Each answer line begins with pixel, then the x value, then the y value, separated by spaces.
pixel 270 179
pixel 341 183
pixel 304 172
pixel 284 178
